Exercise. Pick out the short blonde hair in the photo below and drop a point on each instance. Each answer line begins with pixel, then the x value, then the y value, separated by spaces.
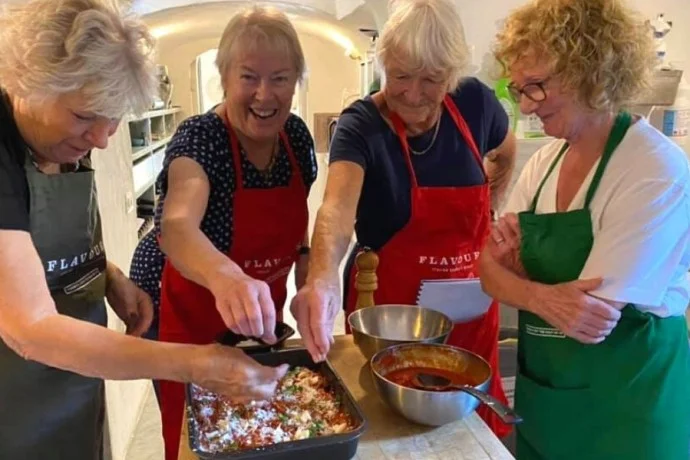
pixel 257 26
pixel 427 34
pixel 598 48
pixel 54 47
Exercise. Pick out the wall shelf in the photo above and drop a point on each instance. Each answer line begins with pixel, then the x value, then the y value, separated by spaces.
pixel 145 227
pixel 140 152
pixel 149 135
pixel 155 113
pixel 146 170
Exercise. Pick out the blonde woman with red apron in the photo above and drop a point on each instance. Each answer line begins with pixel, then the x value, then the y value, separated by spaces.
pixel 269 226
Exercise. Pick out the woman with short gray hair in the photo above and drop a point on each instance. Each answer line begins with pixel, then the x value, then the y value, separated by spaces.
pixel 70 70
pixel 416 168
pixel 232 215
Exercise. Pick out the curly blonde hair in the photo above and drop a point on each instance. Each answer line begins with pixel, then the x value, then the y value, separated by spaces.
pixel 600 49
pixel 50 47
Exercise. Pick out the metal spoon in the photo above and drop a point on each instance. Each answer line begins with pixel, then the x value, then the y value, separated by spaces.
pixel 438 383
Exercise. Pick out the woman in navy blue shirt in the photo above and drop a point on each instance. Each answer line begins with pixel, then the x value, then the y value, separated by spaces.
pixel 416 169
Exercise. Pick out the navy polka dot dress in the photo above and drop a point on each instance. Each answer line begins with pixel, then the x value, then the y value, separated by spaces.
pixel 203 138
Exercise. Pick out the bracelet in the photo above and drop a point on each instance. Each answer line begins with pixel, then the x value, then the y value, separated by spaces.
pixel 303 250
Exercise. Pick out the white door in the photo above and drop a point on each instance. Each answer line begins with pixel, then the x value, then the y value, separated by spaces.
pixel 209 91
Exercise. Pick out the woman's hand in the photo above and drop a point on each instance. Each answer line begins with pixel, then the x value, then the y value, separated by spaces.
pixel 315 308
pixel 131 304
pixel 245 304
pixel 579 315
pixel 504 244
pixel 230 372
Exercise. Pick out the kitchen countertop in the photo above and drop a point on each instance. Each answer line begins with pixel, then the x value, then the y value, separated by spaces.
pixel 390 436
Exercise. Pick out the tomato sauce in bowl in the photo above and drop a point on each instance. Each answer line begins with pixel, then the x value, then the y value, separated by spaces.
pixel 407 377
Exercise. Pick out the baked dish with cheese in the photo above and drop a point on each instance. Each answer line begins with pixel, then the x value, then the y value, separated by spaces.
pixel 303 407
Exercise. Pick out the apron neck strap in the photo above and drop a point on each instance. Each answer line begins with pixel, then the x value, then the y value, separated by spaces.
pixel 620 127
pixel 618 130
pixel 460 124
pixel 555 161
pixel 235 152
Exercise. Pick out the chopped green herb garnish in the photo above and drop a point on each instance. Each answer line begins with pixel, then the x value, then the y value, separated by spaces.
pixel 283 418
pixel 315 428
pixel 292 389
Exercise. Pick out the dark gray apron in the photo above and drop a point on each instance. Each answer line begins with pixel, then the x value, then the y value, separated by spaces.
pixel 47 413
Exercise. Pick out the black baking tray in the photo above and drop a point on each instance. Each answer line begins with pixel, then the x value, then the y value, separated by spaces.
pixel 341 446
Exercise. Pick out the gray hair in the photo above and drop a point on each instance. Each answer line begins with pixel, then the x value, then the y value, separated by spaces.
pixel 259 25
pixel 428 35
pixel 53 47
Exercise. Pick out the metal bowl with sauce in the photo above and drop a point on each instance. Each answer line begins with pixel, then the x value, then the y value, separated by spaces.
pixel 432 408
pixel 376 328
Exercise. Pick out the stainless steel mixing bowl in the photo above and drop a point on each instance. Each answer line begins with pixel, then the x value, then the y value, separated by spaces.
pixel 376 328
pixel 432 408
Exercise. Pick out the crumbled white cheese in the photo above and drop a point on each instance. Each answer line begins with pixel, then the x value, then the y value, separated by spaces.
pixel 280 436
pixel 301 433
pixel 207 411
pixel 305 417
pixel 340 428
pixel 303 408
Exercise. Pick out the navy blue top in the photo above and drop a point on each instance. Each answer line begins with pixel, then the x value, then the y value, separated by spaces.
pixel 363 137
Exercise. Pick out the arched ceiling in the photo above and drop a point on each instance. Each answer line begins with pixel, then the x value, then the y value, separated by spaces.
pixel 194 20
pixel 333 20
pixel 152 6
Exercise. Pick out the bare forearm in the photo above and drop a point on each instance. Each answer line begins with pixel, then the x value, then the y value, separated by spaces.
pixel 499 170
pixel 87 349
pixel 500 163
pixel 331 239
pixel 504 285
pixel 193 255
pixel 112 272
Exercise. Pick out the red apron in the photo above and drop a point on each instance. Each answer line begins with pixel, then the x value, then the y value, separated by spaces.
pixel 442 240
pixel 269 227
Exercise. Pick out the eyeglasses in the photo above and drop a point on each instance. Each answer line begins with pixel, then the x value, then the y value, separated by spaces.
pixel 535 92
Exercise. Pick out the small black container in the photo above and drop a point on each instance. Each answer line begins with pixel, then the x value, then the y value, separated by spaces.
pixel 282 332
pixel 334 447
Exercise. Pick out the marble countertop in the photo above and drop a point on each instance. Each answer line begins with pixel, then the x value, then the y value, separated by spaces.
pixel 390 436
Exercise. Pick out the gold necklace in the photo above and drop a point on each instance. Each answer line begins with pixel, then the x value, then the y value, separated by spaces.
pixel 433 140
pixel 266 171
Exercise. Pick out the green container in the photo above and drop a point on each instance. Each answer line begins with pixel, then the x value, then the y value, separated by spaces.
pixel 507 101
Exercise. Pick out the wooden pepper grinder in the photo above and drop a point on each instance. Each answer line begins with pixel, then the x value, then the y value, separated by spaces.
pixel 366 281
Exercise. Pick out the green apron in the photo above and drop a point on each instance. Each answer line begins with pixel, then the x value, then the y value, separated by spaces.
pixel 626 398
pixel 48 413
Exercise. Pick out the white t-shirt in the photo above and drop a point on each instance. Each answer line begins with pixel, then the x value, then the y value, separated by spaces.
pixel 640 215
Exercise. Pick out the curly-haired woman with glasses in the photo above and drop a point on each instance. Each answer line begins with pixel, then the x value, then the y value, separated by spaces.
pixel 593 246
